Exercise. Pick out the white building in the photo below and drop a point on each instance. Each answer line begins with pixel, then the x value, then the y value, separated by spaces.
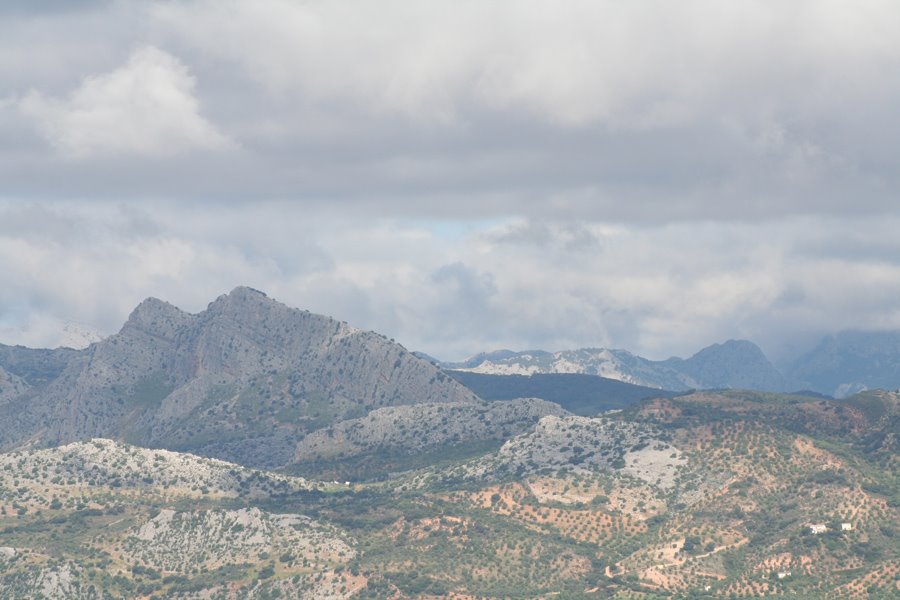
pixel 846 526
pixel 817 529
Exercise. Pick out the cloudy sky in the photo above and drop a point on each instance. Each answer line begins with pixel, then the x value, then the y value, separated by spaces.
pixel 460 175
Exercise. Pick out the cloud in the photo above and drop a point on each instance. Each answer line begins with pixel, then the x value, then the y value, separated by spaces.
pixel 643 65
pixel 658 290
pixel 145 108
pixel 459 175
pixel 637 113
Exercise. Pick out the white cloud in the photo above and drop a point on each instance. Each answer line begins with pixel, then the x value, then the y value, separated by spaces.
pixel 659 290
pixel 145 108
pixel 631 65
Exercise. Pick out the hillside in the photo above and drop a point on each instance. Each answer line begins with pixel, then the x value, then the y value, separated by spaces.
pixel 706 495
pixel 400 437
pixel 244 380
pixel 99 519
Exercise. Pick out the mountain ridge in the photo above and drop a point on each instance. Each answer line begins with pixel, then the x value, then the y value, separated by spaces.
pixel 243 380
pixel 734 363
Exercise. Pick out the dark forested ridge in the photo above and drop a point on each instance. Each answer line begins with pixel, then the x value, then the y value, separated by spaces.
pixel 579 394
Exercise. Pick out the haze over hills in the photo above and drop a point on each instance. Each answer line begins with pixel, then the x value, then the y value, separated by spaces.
pixel 840 365
pixel 850 361
pixel 585 395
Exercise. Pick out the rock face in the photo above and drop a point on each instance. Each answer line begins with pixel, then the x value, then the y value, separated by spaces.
pixel 733 364
pixel 243 380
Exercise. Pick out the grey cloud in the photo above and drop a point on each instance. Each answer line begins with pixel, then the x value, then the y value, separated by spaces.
pixel 650 176
pixel 660 290
pixel 41 7
pixel 723 117
pixel 565 237
pixel 469 291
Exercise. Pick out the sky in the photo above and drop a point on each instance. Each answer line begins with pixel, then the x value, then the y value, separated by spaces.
pixel 458 175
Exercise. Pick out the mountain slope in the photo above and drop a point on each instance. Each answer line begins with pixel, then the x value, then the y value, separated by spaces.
pixel 733 364
pixel 705 495
pixel 99 519
pixel 398 437
pixel 243 380
pixel 851 361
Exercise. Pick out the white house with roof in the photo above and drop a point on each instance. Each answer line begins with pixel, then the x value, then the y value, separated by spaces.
pixel 818 528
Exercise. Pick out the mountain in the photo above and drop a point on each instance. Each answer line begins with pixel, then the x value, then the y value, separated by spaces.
pixel 850 361
pixel 585 395
pixel 414 487
pixel 243 380
pixel 733 364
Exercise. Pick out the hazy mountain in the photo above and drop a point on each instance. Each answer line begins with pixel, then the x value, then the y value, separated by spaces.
pixel 733 364
pixel 244 379
pixel 851 361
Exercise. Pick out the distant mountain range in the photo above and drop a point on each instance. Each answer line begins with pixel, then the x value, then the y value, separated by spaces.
pixel 734 364
pixel 839 366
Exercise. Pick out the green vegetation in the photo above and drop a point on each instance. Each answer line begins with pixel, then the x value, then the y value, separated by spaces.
pixel 577 511
pixel 579 394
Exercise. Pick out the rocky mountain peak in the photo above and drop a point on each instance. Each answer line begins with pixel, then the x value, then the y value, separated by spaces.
pixel 245 305
pixel 242 295
pixel 156 315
